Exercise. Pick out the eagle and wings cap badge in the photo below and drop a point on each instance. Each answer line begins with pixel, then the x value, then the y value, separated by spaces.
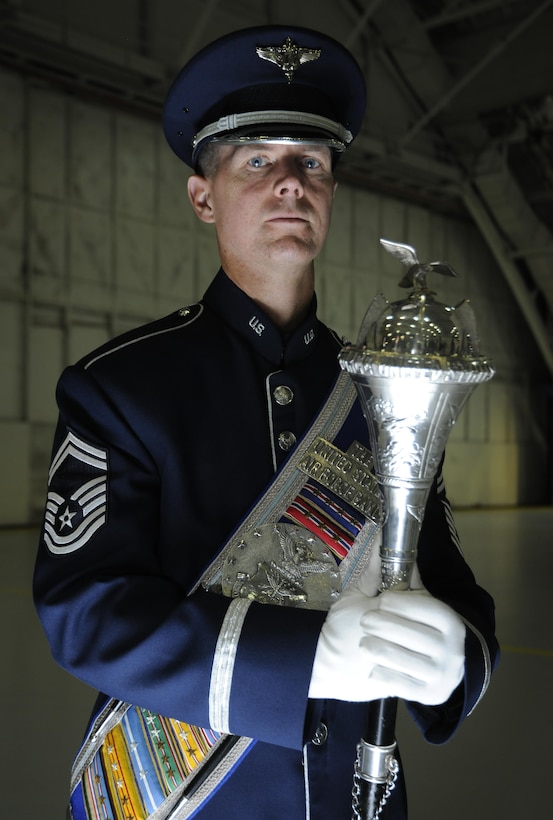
pixel 288 56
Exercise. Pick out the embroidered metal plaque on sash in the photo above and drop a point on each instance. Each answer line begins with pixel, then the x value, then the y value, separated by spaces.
pixel 294 561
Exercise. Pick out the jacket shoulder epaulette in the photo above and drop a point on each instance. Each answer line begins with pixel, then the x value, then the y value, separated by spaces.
pixel 176 321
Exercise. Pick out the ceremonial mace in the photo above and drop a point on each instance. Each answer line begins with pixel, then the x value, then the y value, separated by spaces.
pixel 415 364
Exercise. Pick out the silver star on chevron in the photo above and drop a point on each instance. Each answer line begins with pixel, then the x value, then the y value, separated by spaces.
pixel 288 56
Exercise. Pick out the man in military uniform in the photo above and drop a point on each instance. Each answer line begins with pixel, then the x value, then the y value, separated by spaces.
pixel 193 566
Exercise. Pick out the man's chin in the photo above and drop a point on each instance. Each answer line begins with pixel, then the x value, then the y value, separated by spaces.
pixel 296 247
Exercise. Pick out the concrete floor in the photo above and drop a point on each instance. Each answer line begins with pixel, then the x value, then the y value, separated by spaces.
pixel 495 767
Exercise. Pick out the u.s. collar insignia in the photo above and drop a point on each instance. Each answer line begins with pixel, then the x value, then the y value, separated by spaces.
pixel 288 56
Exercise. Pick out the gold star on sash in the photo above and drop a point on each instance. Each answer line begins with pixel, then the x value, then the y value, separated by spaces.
pixel 288 56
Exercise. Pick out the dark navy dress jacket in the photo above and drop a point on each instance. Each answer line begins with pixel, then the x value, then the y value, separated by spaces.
pixel 172 432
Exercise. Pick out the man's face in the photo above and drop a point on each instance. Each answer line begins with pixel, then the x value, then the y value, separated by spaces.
pixel 270 203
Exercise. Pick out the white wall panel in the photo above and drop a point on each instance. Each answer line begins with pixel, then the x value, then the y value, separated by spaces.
pixel 531 421
pixel 12 364
pixel 205 258
pixel 338 296
pixel 91 156
pixel 421 232
pixel 12 176
pixel 15 477
pixel 454 250
pixel 482 476
pixel 174 208
pixel 134 266
pixel 47 250
pixel 11 241
pixel 47 142
pixel 478 415
pixel 135 165
pixel 500 412
pixel 46 360
pixel 365 254
pixel 12 133
pixel 338 249
pixel 175 265
pixel 89 267
pixel 365 230
pixel 333 268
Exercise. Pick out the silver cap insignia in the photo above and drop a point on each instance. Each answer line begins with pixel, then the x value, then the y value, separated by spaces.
pixel 288 56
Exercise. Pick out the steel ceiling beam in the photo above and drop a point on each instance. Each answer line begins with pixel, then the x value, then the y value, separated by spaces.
pixel 461 13
pixel 474 72
pixel 522 295
pixel 360 25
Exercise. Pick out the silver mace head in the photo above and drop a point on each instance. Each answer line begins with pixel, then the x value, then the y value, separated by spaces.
pixel 415 364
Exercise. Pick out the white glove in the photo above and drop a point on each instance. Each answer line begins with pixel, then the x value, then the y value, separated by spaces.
pixel 415 645
pixel 341 667
pixel 398 644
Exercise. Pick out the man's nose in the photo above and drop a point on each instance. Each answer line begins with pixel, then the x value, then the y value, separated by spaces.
pixel 290 181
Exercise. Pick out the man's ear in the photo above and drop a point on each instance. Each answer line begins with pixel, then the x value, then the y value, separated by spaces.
pixel 199 192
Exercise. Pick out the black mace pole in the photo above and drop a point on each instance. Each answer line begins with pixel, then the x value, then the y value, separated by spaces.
pixel 376 766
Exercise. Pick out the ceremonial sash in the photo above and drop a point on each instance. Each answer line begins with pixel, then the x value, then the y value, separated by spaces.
pixel 327 488
pixel 308 536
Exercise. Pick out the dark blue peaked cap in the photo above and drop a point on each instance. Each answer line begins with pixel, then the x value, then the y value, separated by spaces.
pixel 265 83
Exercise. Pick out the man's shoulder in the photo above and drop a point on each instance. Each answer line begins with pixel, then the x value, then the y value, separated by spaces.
pixel 178 326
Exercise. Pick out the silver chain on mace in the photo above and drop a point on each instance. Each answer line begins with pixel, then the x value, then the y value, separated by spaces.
pixel 393 771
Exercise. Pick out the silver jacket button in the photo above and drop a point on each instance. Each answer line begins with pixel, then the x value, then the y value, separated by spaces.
pixel 320 736
pixel 283 394
pixel 286 440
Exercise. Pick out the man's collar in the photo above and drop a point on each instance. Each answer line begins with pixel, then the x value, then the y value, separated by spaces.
pixel 249 320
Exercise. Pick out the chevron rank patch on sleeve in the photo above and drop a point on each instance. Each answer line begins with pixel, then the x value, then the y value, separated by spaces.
pixel 76 505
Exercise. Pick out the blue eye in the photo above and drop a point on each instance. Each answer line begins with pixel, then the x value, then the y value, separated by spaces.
pixel 257 162
pixel 312 163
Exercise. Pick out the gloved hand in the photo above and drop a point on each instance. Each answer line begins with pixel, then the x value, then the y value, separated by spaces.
pixel 415 647
pixel 398 644
pixel 341 667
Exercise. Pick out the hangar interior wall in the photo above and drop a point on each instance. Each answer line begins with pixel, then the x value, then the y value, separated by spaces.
pixel 96 236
